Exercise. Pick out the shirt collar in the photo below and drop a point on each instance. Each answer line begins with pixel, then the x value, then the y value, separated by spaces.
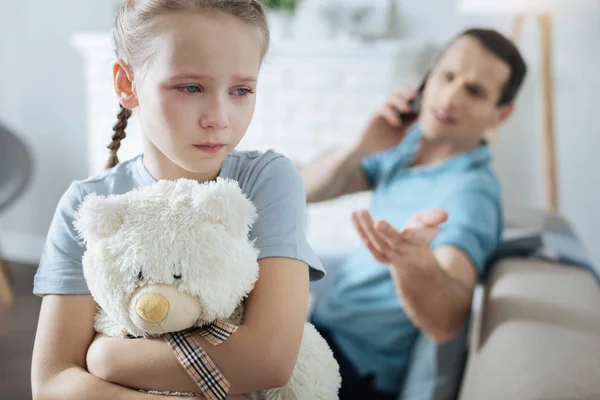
pixel 478 156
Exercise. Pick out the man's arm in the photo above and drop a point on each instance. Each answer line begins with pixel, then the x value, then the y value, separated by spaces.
pixel 438 301
pixel 261 354
pixel 338 172
pixel 435 286
pixel 333 174
pixel 58 369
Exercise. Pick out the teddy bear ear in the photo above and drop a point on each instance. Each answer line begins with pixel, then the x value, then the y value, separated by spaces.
pixel 224 203
pixel 99 217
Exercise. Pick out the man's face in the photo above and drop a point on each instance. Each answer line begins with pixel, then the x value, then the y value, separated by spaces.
pixel 460 101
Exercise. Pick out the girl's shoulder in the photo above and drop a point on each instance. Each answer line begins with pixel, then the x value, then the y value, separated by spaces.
pixel 122 178
pixel 251 167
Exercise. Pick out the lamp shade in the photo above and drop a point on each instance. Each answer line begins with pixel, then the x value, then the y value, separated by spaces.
pixel 524 6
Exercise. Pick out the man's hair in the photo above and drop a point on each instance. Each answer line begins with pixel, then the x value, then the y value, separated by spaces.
pixel 505 50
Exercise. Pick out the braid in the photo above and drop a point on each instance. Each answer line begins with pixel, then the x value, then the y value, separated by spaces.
pixel 119 135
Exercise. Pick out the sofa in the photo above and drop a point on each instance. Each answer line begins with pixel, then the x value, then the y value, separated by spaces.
pixel 534 330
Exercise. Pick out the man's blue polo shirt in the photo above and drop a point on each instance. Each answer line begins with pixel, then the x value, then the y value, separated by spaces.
pixel 361 309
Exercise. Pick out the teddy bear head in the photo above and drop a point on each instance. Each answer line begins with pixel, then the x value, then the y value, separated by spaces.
pixel 169 256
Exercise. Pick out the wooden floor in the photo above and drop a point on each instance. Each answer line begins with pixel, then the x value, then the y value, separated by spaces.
pixel 17 332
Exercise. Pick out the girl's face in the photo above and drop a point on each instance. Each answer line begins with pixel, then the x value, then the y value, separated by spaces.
pixel 197 95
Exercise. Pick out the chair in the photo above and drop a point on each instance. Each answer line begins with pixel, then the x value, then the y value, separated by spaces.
pixel 16 168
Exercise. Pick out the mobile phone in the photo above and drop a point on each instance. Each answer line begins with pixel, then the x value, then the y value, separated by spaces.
pixel 415 105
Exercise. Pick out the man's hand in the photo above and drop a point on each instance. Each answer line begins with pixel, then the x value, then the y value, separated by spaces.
pixel 408 248
pixel 435 287
pixel 385 129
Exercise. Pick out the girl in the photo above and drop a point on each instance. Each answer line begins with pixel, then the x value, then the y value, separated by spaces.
pixel 190 69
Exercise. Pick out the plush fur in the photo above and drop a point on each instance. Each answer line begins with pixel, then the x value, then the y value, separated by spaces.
pixel 176 255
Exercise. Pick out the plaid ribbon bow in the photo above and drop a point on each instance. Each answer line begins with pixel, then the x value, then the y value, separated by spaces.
pixel 192 357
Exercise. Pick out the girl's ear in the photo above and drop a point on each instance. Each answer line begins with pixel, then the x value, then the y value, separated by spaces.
pixel 224 203
pixel 123 81
pixel 99 217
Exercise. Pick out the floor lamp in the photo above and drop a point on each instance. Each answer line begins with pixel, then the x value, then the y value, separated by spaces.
pixel 543 11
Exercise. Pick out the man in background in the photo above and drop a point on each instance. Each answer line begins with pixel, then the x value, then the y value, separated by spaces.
pixel 418 269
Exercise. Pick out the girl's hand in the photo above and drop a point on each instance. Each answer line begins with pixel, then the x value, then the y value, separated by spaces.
pixel 104 360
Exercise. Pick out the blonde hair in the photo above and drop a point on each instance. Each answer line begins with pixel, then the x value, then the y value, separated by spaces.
pixel 133 38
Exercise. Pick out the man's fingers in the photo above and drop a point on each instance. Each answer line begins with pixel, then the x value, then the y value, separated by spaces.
pixel 366 239
pixel 431 218
pixel 398 240
pixel 389 234
pixel 377 255
pixel 399 104
pixel 390 116
pixel 369 228
pixel 420 237
pixel 359 229
pixel 373 240
pixel 406 93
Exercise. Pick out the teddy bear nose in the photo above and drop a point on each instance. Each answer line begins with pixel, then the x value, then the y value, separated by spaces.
pixel 152 307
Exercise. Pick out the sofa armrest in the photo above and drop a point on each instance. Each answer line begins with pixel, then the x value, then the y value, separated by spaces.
pixel 535 334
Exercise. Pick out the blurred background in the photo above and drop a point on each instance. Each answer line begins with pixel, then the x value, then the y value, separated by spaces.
pixel 331 64
pixel 55 94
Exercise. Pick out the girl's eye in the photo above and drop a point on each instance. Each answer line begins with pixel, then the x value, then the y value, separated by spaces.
pixel 189 89
pixel 242 92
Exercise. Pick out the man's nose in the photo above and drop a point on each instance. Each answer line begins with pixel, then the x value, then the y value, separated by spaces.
pixel 451 96
pixel 214 115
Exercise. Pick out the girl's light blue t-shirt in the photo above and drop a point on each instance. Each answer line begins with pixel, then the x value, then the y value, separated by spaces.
pixel 268 179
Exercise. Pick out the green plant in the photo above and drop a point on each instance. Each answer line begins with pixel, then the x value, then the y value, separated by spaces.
pixel 284 5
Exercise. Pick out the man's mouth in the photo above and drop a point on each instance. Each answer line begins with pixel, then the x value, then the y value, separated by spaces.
pixel 444 119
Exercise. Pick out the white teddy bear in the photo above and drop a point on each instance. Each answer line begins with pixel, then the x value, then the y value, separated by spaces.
pixel 176 255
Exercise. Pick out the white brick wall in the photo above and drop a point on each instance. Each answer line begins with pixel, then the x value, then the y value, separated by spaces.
pixel 311 96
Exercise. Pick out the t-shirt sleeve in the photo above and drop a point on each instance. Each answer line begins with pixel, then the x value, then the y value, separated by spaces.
pixel 60 270
pixel 371 168
pixel 280 229
pixel 474 225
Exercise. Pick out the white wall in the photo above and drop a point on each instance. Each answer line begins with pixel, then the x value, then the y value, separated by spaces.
pixel 41 96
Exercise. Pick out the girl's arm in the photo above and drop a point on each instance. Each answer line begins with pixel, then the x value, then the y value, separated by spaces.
pixel 260 355
pixel 58 370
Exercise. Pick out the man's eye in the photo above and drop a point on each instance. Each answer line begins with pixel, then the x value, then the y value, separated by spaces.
pixel 474 91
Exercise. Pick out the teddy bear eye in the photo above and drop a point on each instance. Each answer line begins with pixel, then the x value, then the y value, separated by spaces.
pixel 140 275
pixel 178 276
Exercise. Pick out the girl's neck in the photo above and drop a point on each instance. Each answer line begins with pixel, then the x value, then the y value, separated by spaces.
pixel 162 168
